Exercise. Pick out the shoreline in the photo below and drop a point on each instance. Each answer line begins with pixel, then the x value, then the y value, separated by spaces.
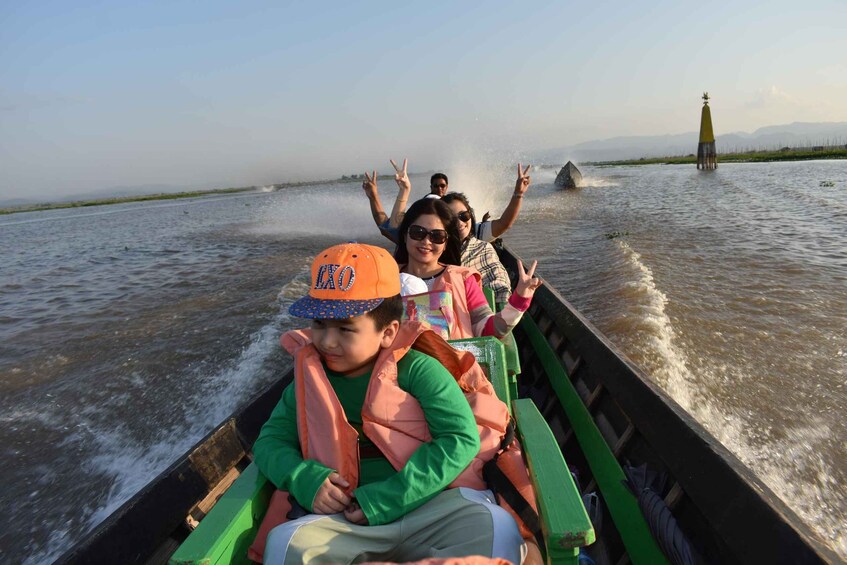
pixel 811 154
pixel 158 196
pixel 747 157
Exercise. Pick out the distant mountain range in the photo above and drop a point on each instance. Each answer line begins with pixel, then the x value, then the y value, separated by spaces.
pixel 798 134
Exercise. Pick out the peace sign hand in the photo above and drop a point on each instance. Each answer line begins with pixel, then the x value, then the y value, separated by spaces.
pixel 522 182
pixel 527 283
pixel 401 177
pixel 369 184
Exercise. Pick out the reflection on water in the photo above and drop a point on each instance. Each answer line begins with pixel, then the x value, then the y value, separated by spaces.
pixel 128 331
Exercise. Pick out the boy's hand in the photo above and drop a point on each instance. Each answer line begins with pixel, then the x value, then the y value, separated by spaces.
pixel 354 514
pixel 331 498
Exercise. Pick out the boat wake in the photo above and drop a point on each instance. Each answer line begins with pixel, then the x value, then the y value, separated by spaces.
pixel 790 464
pixel 667 362
pixel 135 465
pixel 311 213
pixel 597 182
pixel 126 463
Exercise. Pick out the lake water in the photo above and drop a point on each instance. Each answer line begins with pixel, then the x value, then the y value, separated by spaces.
pixel 128 331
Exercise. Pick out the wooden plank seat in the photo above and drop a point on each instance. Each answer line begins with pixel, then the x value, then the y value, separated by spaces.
pixel 224 535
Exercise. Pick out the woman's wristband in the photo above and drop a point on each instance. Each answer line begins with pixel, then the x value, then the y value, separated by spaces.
pixel 516 195
pixel 519 303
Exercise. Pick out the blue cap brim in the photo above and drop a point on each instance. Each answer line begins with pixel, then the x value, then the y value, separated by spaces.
pixel 318 309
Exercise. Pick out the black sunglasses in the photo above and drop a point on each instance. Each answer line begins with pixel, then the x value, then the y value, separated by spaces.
pixel 464 216
pixel 438 186
pixel 418 233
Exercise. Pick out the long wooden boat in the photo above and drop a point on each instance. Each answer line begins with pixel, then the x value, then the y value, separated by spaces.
pixel 702 506
pixel 568 177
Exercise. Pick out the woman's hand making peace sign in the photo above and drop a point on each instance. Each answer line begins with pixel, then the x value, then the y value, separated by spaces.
pixel 527 283
pixel 400 176
pixel 523 180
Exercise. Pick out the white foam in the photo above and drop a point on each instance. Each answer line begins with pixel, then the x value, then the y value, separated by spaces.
pixel 597 182
pixel 673 374
pixel 58 544
pixel 487 176
pixel 134 465
pixel 344 212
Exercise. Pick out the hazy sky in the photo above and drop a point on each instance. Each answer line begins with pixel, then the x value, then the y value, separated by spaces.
pixel 211 94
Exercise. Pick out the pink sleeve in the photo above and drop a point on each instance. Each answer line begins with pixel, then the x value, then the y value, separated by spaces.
pixel 476 299
pixel 507 321
pixel 473 293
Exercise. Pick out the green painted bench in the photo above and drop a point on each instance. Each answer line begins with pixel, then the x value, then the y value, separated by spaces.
pixel 224 535
pixel 513 362
pixel 564 521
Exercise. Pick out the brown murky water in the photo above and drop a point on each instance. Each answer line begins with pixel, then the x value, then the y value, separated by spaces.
pixel 128 331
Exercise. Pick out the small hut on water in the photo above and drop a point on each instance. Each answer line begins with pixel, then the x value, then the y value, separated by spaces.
pixel 707 156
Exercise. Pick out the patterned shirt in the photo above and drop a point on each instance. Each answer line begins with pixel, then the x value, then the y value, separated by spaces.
pixel 480 255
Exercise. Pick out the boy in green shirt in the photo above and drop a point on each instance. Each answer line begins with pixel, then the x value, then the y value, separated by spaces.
pixel 371 432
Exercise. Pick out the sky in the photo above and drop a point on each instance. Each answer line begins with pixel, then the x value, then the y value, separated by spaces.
pixel 211 94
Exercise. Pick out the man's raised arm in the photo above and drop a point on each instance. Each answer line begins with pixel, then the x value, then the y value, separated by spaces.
pixel 370 188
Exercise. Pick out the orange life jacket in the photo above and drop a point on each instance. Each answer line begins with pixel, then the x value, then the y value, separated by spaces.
pixel 397 436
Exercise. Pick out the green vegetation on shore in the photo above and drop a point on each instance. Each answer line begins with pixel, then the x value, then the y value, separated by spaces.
pixel 120 200
pixel 145 197
pixel 785 154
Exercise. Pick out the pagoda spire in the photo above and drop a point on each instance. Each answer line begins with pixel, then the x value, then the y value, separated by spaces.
pixel 707 157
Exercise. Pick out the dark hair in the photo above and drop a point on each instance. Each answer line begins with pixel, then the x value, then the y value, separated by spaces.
pixel 454 196
pixel 437 176
pixel 390 310
pixel 452 254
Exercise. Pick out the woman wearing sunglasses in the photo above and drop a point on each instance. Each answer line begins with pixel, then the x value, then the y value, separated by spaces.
pixel 478 254
pixel 429 247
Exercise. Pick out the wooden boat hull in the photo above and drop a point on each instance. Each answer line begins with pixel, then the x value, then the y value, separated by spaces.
pixel 576 377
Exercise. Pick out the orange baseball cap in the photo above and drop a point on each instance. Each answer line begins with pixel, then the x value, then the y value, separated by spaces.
pixel 348 280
